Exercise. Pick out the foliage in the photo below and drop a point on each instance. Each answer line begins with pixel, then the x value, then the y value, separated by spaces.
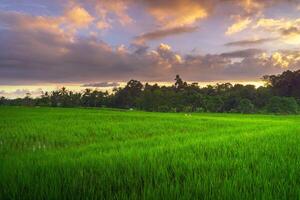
pixel 286 84
pixel 213 104
pixel 182 97
pixel 245 106
pixel 282 105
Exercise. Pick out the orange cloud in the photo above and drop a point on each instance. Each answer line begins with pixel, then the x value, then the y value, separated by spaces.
pixel 287 29
pixel 253 5
pixel 112 11
pixel 177 13
pixel 57 54
pixel 102 24
pixel 78 17
pixel 24 22
pixel 272 23
pixel 240 25
pixel 74 18
pixel 285 60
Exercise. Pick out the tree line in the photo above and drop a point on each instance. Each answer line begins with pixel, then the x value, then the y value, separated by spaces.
pixel 281 94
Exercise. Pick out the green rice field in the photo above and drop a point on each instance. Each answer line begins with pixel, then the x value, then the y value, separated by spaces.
pixel 77 153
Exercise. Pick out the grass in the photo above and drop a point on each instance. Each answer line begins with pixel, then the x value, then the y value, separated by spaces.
pixel 55 153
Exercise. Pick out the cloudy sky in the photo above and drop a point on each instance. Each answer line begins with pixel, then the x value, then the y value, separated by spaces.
pixel 104 42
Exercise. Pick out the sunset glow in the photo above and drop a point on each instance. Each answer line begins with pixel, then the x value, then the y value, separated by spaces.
pixel 48 44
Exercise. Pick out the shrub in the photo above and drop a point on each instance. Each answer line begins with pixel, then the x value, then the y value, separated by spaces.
pixel 199 110
pixel 163 108
pixel 282 105
pixel 245 106
pixel 213 104
pixel 187 109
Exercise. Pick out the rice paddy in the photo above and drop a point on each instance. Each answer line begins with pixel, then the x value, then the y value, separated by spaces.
pixel 56 153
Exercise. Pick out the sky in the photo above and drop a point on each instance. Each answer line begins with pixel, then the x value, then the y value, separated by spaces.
pixel 46 44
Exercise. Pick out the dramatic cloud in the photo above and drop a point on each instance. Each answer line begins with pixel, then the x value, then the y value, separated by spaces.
pixel 166 56
pixel 72 20
pixel 108 13
pixel 68 45
pixel 185 12
pixel 286 59
pixel 177 13
pixel 54 56
pixel 287 29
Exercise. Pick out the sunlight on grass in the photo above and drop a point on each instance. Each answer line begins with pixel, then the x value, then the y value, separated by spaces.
pixel 110 154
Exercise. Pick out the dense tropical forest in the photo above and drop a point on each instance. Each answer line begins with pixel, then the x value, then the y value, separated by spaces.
pixel 281 94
